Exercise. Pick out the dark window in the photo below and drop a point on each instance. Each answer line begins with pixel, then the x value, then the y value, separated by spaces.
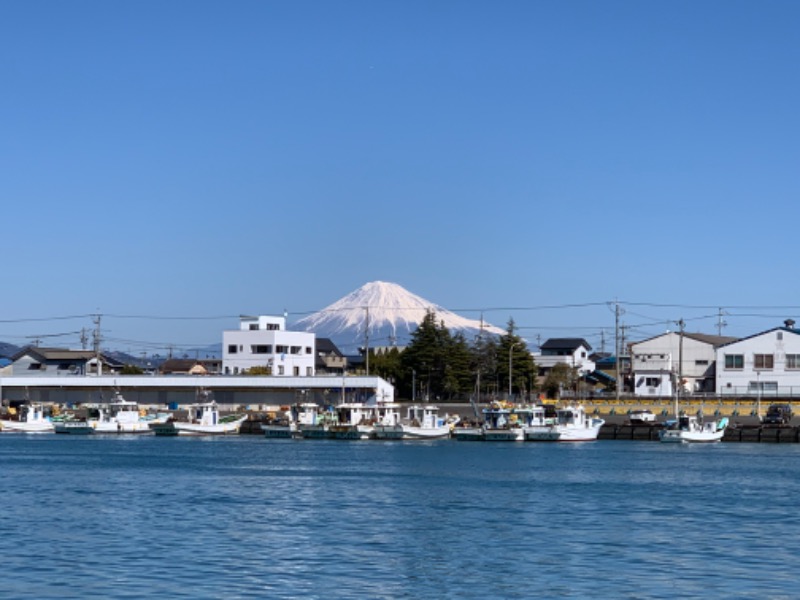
pixel 763 361
pixel 231 348
pixel 734 361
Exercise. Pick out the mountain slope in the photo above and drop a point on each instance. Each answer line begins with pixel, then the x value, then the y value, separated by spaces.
pixel 392 312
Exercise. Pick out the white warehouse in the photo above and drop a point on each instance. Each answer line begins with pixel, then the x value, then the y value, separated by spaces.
pixel 264 342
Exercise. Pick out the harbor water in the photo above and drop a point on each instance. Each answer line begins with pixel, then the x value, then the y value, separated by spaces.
pixel 245 517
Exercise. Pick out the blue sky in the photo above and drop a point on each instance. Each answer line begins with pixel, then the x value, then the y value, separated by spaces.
pixel 208 159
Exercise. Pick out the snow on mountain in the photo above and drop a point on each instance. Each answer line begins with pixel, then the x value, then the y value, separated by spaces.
pixel 393 314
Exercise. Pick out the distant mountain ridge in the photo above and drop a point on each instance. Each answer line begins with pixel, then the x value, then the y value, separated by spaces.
pixel 8 350
pixel 389 311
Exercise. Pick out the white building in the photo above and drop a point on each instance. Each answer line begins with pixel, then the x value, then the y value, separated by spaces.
pixel 767 364
pixel 656 363
pixel 573 352
pixel 264 342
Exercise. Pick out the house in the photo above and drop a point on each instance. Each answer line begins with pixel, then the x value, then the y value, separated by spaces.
pixel 657 362
pixel 767 363
pixel 54 362
pixel 329 359
pixel 264 342
pixel 191 366
pixel 573 352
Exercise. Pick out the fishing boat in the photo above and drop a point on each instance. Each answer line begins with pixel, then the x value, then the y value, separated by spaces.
pixel 421 423
pixel 571 424
pixel 30 419
pixel 300 415
pixel 357 421
pixel 316 422
pixel 120 416
pixel 502 424
pixel 72 426
pixel 203 419
pixel 691 429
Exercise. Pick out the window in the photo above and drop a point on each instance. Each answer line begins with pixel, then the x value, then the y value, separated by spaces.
pixel 253 326
pixel 309 371
pixel 793 361
pixel 35 367
pixel 231 348
pixel 701 363
pixel 763 361
pixel 780 335
pixel 764 386
pixel 280 369
pixel 652 381
pixel 296 349
pixel 261 349
pixel 281 349
pixel 734 361
pixel 308 349
pixel 296 371
pixel 272 327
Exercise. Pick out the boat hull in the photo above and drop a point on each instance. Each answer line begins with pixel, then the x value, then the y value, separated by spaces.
pixel 690 437
pixel 409 432
pixel 74 428
pixel 468 434
pixel 513 434
pixel 24 427
pixel 184 429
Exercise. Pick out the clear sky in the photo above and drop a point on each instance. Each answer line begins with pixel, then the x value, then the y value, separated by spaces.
pixel 206 159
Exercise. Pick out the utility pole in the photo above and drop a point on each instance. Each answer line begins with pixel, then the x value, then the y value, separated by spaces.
pixel 96 343
pixel 681 325
pixel 720 322
pixel 616 351
pixel 366 339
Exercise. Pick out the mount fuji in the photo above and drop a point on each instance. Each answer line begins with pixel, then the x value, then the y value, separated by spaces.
pixel 390 311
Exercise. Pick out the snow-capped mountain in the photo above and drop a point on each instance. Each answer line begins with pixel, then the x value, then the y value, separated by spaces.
pixel 392 312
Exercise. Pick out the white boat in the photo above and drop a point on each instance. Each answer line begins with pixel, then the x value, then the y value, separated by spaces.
pixel 572 424
pixel 688 429
pixel 119 416
pixel 421 423
pixel 642 416
pixel 203 419
pixel 356 421
pixel 501 423
pixel 288 426
pixel 31 419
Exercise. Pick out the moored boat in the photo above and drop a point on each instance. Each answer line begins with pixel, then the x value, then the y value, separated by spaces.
pixel 571 424
pixel 501 424
pixel 72 426
pixel 30 419
pixel 204 419
pixel 690 429
pixel 421 423
pixel 120 416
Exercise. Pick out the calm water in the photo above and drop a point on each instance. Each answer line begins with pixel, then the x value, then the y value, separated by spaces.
pixel 246 517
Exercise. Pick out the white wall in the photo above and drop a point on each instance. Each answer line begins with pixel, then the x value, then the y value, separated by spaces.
pixel 283 363
pixel 661 356
pixel 781 379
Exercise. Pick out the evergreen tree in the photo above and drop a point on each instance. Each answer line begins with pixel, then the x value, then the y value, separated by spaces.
pixel 513 353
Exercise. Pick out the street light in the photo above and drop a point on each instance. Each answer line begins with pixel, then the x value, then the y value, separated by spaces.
pixel 510 363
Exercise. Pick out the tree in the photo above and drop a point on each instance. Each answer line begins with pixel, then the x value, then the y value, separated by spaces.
pixel 560 377
pixel 513 353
